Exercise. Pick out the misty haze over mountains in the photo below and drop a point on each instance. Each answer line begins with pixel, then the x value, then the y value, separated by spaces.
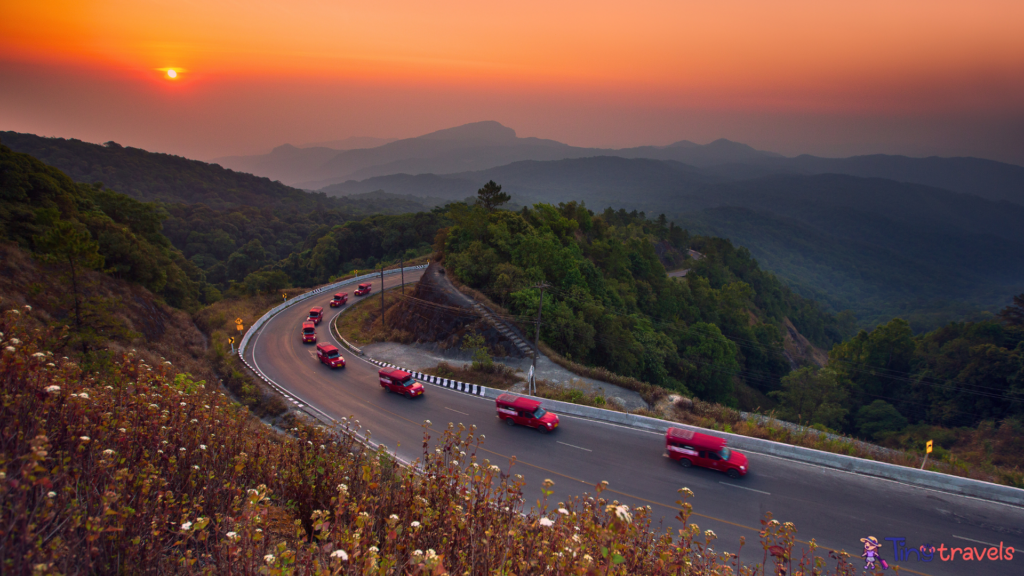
pixel 486 146
pixel 927 239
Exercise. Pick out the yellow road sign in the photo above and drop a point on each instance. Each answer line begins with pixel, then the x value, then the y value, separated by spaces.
pixel 240 327
pixel 238 320
pixel 928 447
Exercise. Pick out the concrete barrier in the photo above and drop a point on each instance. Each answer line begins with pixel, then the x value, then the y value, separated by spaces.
pixel 912 476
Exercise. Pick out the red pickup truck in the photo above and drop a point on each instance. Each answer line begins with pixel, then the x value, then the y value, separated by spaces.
pixel 340 299
pixel 316 314
pixel 308 333
pixel 525 412
pixel 688 448
pixel 399 382
pixel 330 355
pixel 363 289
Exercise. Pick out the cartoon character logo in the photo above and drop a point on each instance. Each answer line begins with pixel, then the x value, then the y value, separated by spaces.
pixel 870 554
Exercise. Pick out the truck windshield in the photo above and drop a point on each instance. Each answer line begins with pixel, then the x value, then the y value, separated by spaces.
pixel 332 354
pixel 307 330
pixel 539 413
pixel 725 453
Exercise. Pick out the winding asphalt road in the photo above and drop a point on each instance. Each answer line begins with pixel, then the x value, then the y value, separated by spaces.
pixel 836 508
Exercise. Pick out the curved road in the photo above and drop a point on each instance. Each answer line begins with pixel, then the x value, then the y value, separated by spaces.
pixel 836 508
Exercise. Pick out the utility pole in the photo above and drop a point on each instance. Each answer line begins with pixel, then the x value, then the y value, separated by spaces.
pixel 403 277
pixel 536 339
pixel 382 295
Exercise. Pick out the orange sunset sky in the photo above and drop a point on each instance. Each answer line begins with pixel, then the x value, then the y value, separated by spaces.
pixel 827 77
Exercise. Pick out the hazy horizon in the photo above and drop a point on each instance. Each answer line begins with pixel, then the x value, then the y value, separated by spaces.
pixel 916 78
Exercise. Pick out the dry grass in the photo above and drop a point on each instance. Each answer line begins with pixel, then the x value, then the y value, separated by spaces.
pixel 361 323
pixel 144 470
pixel 498 376
pixel 217 321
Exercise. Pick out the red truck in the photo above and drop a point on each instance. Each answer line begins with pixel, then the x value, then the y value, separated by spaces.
pixel 399 382
pixel 330 355
pixel 688 448
pixel 363 289
pixel 340 299
pixel 525 412
pixel 308 333
pixel 316 314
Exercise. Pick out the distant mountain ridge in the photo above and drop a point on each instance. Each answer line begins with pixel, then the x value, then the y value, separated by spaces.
pixel 469 147
pixel 488 145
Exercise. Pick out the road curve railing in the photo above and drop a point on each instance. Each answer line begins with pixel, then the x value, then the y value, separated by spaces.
pixel 911 476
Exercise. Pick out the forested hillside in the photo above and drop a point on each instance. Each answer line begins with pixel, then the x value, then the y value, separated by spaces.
pixel 80 227
pixel 228 225
pixel 611 304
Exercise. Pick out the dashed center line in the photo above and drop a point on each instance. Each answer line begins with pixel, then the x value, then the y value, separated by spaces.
pixel 576 447
pixel 976 541
pixel 454 410
pixel 745 488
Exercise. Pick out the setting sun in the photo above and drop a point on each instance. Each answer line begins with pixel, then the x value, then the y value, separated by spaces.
pixel 172 74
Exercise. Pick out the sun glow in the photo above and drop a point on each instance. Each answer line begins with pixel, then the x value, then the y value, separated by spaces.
pixel 172 74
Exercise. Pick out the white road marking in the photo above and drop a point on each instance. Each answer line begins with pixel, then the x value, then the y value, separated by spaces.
pixel 454 410
pixel 745 488
pixel 571 446
pixel 976 541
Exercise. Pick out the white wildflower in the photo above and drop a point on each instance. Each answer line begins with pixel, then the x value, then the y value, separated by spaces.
pixel 269 558
pixel 28 308
pixel 51 494
pixel 340 554
pixel 415 524
pixel 51 365
pixel 232 535
pixel 186 526
pixel 563 511
pixel 430 554
pixel 53 388
pixel 202 446
pixel 108 452
pixel 710 534
pixel 39 355
pixel 546 522
pixel 122 430
pixel 195 467
pixel 84 438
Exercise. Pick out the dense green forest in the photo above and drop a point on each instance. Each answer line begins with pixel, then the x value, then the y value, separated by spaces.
pixel 886 382
pixel 611 304
pixel 230 225
pixel 78 225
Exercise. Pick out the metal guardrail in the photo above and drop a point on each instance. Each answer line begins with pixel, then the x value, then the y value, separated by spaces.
pixel 922 478
pixel 273 311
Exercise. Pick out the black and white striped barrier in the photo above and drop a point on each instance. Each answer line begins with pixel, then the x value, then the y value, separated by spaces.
pixel 473 389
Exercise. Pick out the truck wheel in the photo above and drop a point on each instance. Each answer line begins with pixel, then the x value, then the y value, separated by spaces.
pixel 543 429
pixel 733 473
pixel 408 394
pixel 509 422
pixel 685 462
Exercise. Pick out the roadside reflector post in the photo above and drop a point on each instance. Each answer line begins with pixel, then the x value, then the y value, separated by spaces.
pixel 383 323
pixel 927 451
pixel 231 340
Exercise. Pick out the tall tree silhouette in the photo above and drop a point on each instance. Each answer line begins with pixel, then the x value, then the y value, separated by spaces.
pixel 1014 313
pixel 491 195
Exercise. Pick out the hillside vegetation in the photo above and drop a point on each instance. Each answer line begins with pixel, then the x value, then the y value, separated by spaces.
pixel 227 225
pixel 929 249
pixel 611 304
